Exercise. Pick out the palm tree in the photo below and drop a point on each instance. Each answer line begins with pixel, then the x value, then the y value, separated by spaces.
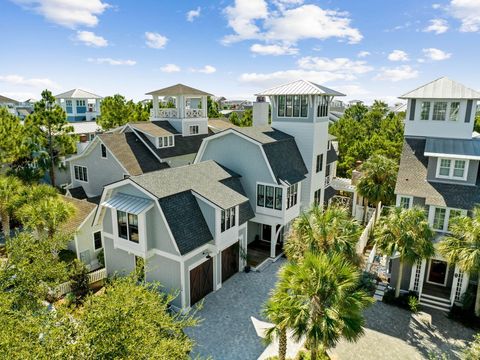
pixel 377 184
pixel 406 232
pixel 46 215
pixel 462 247
pixel 325 302
pixel 10 190
pixel 323 230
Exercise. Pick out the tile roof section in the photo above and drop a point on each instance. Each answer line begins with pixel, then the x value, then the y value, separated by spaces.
pixel 131 152
pixel 300 87
pixel 442 88
pixel 178 89
pixel 186 221
pixel 412 180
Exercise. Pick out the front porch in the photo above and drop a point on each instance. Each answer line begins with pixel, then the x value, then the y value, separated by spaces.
pixel 260 245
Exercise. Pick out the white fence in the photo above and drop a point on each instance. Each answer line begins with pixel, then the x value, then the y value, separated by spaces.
pixel 362 242
pixel 93 277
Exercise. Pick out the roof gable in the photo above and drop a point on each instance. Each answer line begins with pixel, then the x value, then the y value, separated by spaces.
pixel 83 209
pixel 178 89
pixel 77 94
pixel 300 87
pixel 442 88
pixel 4 99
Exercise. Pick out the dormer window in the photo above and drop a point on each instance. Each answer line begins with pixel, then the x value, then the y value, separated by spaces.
pixel 455 169
pixel 228 218
pixel 127 226
pixel 165 141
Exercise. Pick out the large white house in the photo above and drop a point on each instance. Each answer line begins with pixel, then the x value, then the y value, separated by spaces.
pixel 438 171
pixel 80 105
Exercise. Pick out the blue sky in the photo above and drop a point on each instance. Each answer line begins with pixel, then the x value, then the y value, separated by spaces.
pixel 367 49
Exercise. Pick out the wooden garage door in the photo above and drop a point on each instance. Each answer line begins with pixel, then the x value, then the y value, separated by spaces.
pixel 230 261
pixel 201 281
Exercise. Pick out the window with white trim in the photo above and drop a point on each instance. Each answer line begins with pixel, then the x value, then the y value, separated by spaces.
pixel 81 103
pixel 439 218
pixel 165 141
pixel 292 106
pixel 228 218
pixel 80 173
pixel 455 169
pixel 127 226
pixel 454 110
pixel 97 240
pixel 425 110
pixel 269 196
pixel 439 110
pixel 193 129
pixel 443 218
pixel 292 195
pixel 405 202
pixel 319 166
pixel 104 151
pixel 317 196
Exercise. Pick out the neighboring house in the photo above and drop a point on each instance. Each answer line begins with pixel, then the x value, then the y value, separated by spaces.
pixel 80 105
pixel 9 104
pixel 187 224
pixel 87 237
pixel 285 167
pixel 438 171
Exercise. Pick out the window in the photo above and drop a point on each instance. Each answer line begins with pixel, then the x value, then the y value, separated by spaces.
pixel 425 111
pixel 127 226
pixel 292 106
pixel 269 191
pixel 405 202
pixel 327 174
pixel 289 106
pixel 439 111
pixel 281 105
pixel 68 102
pixel 296 106
pixel 304 106
pixel 68 106
pixel 319 166
pixel 439 218
pixel 452 169
pixel 261 195
pixel 104 151
pixel 80 173
pixel 454 108
pixel 292 193
pixel 80 102
pixel 97 240
pixel 165 141
pixel 322 110
pixel 228 218
pixel 317 196
pixel 278 198
pixel 193 129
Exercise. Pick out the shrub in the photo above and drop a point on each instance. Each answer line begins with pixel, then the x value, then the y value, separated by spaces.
pixel 368 282
pixel 403 301
pixel 70 299
pixel 79 280
pixel 101 258
pixel 413 304
pixel 67 256
pixel 465 314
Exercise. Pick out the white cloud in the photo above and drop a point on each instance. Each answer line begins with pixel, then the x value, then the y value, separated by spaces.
pixel 155 40
pixel 339 65
pixel 68 13
pixel 398 73
pixel 436 54
pixel 33 82
pixel 438 26
pixel 251 19
pixel 468 12
pixel 398 55
pixel 363 54
pixel 207 69
pixel 170 68
pixel 111 61
pixel 273 49
pixel 192 14
pixel 90 39
pixel 436 6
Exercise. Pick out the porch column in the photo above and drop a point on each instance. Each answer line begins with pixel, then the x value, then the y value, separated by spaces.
pixel 180 104
pixel 459 286
pixel 155 106
pixel 354 204
pixel 273 241
pixel 204 106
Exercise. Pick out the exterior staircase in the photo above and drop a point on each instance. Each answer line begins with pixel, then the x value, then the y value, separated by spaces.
pixel 435 302
pixel 380 291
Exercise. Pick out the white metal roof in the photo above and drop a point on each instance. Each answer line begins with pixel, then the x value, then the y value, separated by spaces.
pixel 442 88
pixel 128 203
pixel 300 87
pixel 85 127
pixel 77 94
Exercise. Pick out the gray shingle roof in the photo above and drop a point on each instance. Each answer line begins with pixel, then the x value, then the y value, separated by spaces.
pixel 281 151
pixel 155 128
pixel 245 210
pixel 412 180
pixel 463 147
pixel 202 178
pixel 186 221
pixel 184 145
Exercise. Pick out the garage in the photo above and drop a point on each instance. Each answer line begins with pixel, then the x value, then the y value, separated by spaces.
pixel 230 261
pixel 201 281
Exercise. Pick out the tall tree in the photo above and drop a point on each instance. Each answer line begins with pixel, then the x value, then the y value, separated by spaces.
pixel 11 190
pixel 50 129
pixel 462 247
pixel 405 232
pixel 13 139
pixel 377 184
pixel 247 118
pixel 323 230
pixel 234 119
pixel 212 108
pixel 326 304
pixel 117 111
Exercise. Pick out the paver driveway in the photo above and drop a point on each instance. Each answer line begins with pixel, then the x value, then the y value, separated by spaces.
pixel 227 333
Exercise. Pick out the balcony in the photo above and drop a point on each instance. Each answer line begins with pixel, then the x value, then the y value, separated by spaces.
pixel 174 113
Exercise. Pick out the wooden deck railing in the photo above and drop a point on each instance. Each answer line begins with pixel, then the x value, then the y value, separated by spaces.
pixel 93 277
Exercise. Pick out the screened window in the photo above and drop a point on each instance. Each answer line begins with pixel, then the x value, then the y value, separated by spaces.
pixel 405 202
pixel 425 111
pixel 104 151
pixel 97 240
pixel 228 218
pixel 454 108
pixel 319 166
pixel 269 194
pixel 439 111
pixel 127 226
pixel 278 198
pixel 439 218
pixel 80 173
pixel 292 195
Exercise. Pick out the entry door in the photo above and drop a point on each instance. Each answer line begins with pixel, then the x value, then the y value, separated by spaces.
pixel 266 232
pixel 201 281
pixel 230 261
pixel 438 272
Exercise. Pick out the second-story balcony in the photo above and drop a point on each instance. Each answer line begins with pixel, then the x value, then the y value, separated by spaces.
pixel 174 113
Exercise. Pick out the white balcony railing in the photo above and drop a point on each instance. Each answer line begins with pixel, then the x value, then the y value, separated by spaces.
pixel 168 113
pixel 328 180
pixel 194 113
